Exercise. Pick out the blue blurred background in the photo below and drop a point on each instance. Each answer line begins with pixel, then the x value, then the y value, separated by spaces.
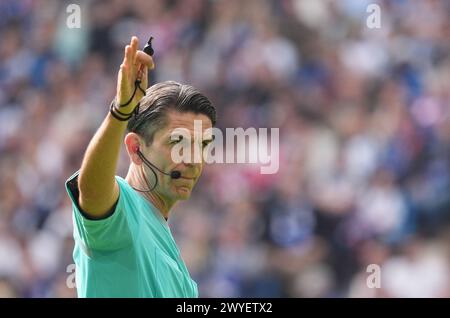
pixel 364 118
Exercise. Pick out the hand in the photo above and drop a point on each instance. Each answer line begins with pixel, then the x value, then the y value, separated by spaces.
pixel 134 67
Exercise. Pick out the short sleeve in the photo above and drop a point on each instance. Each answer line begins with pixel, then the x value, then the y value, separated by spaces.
pixel 107 234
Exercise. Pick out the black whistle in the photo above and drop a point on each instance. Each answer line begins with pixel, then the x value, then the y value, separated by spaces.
pixel 148 47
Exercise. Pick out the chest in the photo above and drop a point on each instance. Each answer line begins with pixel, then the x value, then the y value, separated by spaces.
pixel 161 263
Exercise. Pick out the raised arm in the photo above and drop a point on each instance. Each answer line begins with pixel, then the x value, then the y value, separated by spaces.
pixel 97 185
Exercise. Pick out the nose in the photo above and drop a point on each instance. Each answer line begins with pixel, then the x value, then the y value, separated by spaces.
pixel 196 153
pixel 192 162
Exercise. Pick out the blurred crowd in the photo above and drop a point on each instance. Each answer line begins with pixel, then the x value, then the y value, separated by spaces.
pixel 364 118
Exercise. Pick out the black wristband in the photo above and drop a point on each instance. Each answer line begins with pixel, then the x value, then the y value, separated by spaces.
pixel 118 114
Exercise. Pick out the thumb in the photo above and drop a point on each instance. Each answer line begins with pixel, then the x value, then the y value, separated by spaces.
pixel 145 59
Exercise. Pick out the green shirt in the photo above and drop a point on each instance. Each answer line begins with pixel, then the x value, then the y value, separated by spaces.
pixel 129 253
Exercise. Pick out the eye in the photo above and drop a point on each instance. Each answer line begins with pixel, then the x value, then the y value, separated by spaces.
pixel 180 138
pixel 207 142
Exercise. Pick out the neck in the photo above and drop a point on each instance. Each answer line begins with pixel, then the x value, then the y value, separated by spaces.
pixel 136 179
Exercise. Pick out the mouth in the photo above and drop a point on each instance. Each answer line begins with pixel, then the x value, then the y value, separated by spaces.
pixel 184 189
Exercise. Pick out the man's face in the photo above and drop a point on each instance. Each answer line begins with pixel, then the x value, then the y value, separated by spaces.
pixel 160 154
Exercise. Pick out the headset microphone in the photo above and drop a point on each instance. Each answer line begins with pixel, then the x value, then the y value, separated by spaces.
pixel 173 174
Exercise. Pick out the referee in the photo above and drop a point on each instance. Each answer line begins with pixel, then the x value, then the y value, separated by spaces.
pixel 123 245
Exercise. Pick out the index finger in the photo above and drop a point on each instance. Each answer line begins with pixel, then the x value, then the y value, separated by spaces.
pixel 134 46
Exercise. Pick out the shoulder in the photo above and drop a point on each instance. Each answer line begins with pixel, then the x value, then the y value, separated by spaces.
pixel 128 197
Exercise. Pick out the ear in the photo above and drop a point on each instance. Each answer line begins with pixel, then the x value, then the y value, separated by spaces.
pixel 132 143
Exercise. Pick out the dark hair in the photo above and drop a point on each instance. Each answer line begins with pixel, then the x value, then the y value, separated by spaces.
pixel 165 96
